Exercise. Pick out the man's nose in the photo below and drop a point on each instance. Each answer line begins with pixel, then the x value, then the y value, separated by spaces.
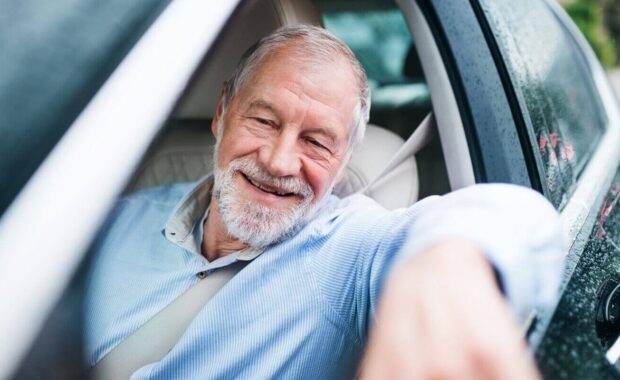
pixel 281 157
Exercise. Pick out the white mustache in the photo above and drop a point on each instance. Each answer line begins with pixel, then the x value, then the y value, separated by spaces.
pixel 252 170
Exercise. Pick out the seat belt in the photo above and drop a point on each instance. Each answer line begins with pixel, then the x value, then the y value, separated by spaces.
pixel 423 134
pixel 154 339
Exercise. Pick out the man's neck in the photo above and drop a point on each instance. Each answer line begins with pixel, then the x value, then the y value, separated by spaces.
pixel 216 241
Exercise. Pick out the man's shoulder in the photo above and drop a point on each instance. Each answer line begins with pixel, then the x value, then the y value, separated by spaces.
pixel 358 216
pixel 146 207
pixel 351 205
pixel 348 214
pixel 168 194
pixel 360 205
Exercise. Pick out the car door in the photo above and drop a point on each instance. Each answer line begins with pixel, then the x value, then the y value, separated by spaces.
pixel 84 90
pixel 566 121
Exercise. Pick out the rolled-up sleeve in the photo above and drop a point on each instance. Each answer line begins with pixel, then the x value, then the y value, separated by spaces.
pixel 516 228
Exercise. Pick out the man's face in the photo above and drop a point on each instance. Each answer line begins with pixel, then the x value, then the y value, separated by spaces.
pixel 285 137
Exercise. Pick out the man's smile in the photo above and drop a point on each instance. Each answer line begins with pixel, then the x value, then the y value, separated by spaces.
pixel 267 188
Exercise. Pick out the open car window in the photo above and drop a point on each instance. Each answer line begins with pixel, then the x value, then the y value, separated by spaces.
pixel 401 98
pixel 379 37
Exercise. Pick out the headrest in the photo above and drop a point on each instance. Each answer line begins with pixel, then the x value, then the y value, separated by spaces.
pixel 398 188
pixel 291 12
pixel 186 154
pixel 250 24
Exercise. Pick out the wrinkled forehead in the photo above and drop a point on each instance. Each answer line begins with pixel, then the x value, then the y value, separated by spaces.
pixel 309 52
pixel 307 59
pixel 332 78
pixel 329 86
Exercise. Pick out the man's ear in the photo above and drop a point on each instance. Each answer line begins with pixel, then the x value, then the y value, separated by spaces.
pixel 219 110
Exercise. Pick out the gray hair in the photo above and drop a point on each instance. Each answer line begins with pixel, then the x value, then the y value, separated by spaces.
pixel 317 45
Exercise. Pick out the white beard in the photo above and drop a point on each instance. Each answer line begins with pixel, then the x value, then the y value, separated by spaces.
pixel 254 224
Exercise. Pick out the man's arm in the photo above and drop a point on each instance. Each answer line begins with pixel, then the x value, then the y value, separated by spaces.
pixel 442 316
pixel 441 312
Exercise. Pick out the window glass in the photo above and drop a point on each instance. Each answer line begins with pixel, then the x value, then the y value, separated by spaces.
pixel 554 86
pixel 55 56
pixel 381 41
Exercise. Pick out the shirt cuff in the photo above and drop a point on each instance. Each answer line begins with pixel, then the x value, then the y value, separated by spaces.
pixel 516 228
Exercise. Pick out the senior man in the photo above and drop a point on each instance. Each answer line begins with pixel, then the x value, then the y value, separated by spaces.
pixel 316 265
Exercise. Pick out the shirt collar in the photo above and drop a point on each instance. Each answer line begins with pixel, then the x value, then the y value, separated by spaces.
pixel 185 225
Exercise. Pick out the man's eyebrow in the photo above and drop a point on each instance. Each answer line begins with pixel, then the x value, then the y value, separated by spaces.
pixel 261 103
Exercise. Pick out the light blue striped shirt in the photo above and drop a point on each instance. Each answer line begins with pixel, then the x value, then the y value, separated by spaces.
pixel 302 307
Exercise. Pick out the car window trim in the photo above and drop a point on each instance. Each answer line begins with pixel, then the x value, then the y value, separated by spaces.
pixel 523 124
pixel 487 119
pixel 48 227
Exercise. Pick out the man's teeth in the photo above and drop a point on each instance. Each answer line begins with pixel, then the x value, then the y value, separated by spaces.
pixel 263 188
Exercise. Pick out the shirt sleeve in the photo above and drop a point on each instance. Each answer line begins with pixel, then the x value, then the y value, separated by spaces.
pixel 517 229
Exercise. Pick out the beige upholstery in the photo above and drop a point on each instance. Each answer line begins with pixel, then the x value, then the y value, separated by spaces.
pixel 186 154
pixel 398 188
pixel 296 12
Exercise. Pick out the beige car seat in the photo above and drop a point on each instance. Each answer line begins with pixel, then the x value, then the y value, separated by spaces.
pixel 185 151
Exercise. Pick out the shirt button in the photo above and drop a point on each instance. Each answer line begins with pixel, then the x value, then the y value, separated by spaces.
pixel 201 275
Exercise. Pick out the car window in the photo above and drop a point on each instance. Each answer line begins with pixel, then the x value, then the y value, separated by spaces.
pixel 379 38
pixel 554 87
pixel 61 343
pixel 55 56
pixel 382 42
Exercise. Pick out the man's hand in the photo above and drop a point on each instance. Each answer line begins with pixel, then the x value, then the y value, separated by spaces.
pixel 442 316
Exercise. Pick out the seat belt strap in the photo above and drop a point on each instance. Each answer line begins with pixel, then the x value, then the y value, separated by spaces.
pixel 423 134
pixel 154 339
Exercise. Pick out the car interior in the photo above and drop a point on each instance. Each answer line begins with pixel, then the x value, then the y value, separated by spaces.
pixel 184 149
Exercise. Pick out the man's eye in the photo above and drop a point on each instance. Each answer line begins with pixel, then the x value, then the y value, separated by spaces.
pixel 262 121
pixel 316 143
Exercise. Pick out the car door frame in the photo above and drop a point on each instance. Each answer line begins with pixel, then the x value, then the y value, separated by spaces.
pixel 491 117
pixel 476 85
pixel 46 231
